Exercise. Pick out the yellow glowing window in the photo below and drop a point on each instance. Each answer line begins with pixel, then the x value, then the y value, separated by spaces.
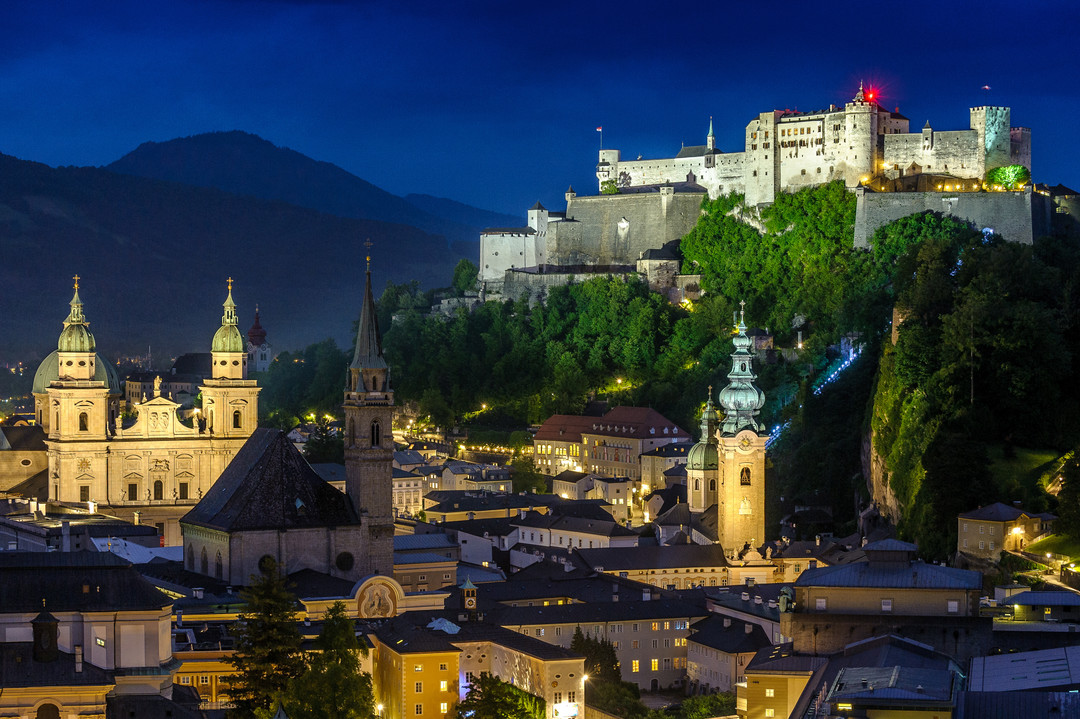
pixel 635 665
pixel 654 664
pixel 442 687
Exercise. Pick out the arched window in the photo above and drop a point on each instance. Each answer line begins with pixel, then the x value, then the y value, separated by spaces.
pixel 189 558
pixel 203 564
pixel 159 490
pixel 744 477
pixel 697 484
pixel 217 566
pixel 712 485
pixel 236 419
pixel 376 434
pixel 84 422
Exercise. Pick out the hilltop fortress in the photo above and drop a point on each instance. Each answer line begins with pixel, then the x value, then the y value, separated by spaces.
pixel 645 206
pixel 786 151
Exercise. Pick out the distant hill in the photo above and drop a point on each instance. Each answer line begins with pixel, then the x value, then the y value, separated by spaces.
pixel 154 256
pixel 246 164
pixel 463 214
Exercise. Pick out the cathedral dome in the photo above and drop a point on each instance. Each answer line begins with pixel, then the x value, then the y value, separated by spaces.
pixel 741 398
pixel 49 371
pixel 76 338
pixel 228 339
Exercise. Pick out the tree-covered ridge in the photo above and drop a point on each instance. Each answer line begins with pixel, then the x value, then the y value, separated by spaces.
pixel 982 364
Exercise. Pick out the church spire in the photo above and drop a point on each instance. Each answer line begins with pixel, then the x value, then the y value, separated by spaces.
pixel 368 353
pixel 227 338
pixel 704 454
pixel 741 399
pixel 710 139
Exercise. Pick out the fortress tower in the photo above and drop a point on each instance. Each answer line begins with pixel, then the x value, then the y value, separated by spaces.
pixel 741 503
pixel 369 441
pixel 863 156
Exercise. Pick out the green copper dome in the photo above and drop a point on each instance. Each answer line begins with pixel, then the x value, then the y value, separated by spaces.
pixel 228 338
pixel 49 371
pixel 76 336
pixel 741 399
pixel 704 455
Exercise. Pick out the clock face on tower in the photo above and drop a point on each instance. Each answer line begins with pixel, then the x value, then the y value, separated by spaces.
pixel 470 602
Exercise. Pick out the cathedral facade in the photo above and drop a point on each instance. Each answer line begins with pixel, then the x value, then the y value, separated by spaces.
pixel 153 470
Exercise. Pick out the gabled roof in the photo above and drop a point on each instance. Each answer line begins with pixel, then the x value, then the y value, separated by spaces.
pixel 731 639
pixel 998 512
pixel 269 485
pixel 563 428
pixel 671 557
pixel 30 438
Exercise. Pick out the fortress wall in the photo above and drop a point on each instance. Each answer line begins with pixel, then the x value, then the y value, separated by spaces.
pixel 726 176
pixel 498 253
pixel 534 286
pixel 616 229
pixel 954 152
pixel 1016 216
pixel 634 173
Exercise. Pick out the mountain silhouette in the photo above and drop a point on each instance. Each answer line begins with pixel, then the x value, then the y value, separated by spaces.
pixel 154 256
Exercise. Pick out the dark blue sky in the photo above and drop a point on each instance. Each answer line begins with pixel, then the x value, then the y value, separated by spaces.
pixel 496 104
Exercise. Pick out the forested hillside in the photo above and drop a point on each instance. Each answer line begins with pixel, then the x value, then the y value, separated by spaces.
pixel 979 383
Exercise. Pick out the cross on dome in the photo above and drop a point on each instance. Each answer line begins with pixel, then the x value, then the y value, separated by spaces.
pixel 76 278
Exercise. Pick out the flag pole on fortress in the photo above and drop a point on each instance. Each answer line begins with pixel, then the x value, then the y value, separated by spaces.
pixel 600 129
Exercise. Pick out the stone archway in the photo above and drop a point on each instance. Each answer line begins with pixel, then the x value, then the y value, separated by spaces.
pixel 47 711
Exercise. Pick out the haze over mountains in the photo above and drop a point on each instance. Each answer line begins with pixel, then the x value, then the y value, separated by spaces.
pixel 155 234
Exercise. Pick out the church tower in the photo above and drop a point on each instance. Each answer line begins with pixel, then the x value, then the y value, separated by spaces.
pixel 742 452
pixel 703 463
pixel 230 400
pixel 369 440
pixel 78 400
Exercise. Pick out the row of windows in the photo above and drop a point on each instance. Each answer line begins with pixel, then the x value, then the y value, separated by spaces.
pixel 420 667
pixel 952 606
pixel 442 686
pixel 443 708
pixel 654 664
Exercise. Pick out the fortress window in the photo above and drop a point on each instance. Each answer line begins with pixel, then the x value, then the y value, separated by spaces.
pixel 803 171
pixel 83 422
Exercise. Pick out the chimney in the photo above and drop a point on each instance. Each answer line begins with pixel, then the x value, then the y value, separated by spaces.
pixel 197 592
pixel 745 596
pixel 749 581
pixel 817 540
pixel 748 627
pixel 727 622
pixel 646 595
pixel 78 658
pixel 757 600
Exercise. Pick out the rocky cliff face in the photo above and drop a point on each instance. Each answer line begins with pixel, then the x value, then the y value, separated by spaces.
pixel 877 480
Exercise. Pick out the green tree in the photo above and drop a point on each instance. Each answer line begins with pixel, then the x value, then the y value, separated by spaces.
pixel 601 660
pixel 324 444
pixel 465 274
pixel 609 187
pixel 1010 177
pixel 267 644
pixel 525 477
pixel 491 698
pixel 706 706
pixel 332 685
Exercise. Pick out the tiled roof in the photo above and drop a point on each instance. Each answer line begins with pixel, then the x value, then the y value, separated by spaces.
pixel 998 512
pixel 74 581
pixel 917 575
pixel 269 485
pixel 731 639
pixel 582 613
pixel 434 540
pixel 672 449
pixel 1062 598
pixel 668 557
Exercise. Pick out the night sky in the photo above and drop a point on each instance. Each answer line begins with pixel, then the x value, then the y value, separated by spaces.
pixel 497 104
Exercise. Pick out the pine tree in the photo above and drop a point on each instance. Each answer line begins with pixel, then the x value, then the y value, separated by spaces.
pixel 333 685
pixel 267 644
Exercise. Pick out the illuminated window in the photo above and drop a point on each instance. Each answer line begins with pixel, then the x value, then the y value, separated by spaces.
pixel 635 665
pixel 442 708
pixel 442 687
pixel 770 712
pixel 418 667
pixel 770 693
pixel 654 664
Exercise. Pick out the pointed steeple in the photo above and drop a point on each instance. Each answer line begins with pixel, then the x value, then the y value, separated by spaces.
pixel 710 139
pixel 76 336
pixel 860 96
pixel 227 338
pixel 368 353
pixel 741 399
pixel 710 128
